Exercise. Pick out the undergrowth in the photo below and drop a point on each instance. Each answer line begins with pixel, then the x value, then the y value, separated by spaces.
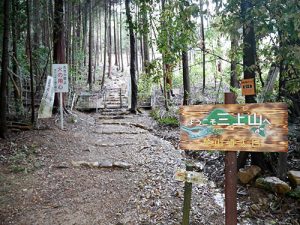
pixel 165 118
pixel 24 159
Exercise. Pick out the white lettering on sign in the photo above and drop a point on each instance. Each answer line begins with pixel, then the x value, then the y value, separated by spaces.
pixel 60 75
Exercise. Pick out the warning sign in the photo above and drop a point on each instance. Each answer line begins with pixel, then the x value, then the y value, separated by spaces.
pixel 248 87
pixel 60 76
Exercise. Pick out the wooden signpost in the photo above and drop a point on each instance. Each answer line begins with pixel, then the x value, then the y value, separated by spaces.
pixel 235 127
pixel 231 128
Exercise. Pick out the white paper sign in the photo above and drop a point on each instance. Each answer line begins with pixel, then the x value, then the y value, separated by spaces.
pixel 45 110
pixel 60 75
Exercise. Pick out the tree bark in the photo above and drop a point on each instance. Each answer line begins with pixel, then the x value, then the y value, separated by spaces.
pixel 84 32
pixel 59 54
pixel 132 59
pixel 282 157
pixel 203 48
pixel 96 58
pixel 115 37
pixel 234 83
pixel 109 40
pixel 100 34
pixel 165 69
pixel 15 38
pixel 105 44
pixel 4 69
pixel 30 62
pixel 90 70
pixel 249 65
pixel 121 44
pixel 146 43
pixel 186 78
pixel 36 24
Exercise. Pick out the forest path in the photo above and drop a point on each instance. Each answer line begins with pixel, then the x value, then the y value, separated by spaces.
pixel 57 192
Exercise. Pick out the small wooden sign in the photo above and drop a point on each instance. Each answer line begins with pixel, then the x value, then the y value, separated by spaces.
pixel 248 87
pixel 189 176
pixel 235 127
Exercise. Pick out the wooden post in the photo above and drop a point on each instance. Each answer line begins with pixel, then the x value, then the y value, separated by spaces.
pixel 187 198
pixel 61 111
pixel 121 104
pixel 230 178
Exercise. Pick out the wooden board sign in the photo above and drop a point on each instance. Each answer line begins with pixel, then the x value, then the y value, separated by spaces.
pixel 248 87
pixel 189 176
pixel 235 127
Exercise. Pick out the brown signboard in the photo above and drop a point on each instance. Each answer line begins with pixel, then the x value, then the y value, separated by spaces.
pixel 248 87
pixel 235 127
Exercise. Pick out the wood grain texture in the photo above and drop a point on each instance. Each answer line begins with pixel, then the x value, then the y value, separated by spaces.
pixel 268 136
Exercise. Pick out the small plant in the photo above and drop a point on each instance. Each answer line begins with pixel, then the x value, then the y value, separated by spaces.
pixel 23 160
pixel 169 121
pixel 164 118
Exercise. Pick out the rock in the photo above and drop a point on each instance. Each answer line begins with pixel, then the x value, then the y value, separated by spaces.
pixel 102 164
pixel 63 165
pixel 105 164
pixel 77 163
pixel 91 164
pixel 273 184
pixel 255 207
pixel 245 175
pixel 294 177
pixel 123 165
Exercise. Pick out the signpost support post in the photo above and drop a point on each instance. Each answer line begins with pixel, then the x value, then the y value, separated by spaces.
pixel 61 111
pixel 230 178
pixel 187 198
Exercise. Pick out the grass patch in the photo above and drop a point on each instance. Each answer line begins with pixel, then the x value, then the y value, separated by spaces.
pixel 165 118
pixel 169 121
pixel 23 160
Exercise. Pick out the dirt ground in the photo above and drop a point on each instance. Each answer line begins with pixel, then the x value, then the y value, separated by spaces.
pixel 40 185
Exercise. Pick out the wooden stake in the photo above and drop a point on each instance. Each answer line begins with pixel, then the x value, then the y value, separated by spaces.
pixel 187 198
pixel 61 111
pixel 230 178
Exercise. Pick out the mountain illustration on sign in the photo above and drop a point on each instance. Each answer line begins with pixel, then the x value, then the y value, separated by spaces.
pixel 200 131
pixel 221 117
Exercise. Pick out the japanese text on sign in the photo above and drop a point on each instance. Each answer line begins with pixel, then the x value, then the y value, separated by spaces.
pixel 233 127
pixel 60 75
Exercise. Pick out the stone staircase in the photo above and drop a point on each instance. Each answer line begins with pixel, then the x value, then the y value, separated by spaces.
pixel 113 99
pixel 115 94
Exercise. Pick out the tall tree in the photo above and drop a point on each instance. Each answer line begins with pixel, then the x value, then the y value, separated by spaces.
pixel 203 47
pixel 59 54
pixel 121 46
pixel 15 39
pixel 36 25
pixel 90 71
pixel 249 68
pixel 30 62
pixel 115 35
pixel 186 78
pixel 4 69
pixel 132 58
pixel 109 39
pixel 233 64
pixel 145 36
pixel 105 44
pixel 84 29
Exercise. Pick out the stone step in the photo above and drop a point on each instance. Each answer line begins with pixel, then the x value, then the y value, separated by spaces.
pixel 115 99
